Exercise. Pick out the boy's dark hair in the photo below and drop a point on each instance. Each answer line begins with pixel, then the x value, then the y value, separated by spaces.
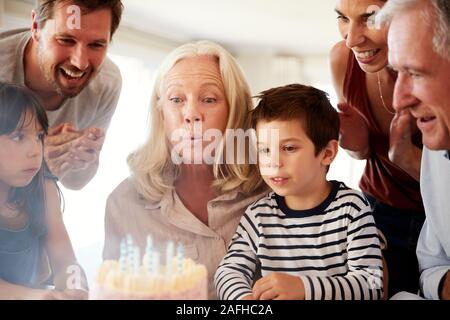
pixel 15 102
pixel 44 9
pixel 307 104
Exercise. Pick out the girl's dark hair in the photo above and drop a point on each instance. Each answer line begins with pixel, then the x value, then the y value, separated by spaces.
pixel 15 102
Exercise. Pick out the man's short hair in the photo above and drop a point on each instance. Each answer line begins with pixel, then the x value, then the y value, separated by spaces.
pixel 441 37
pixel 306 104
pixel 44 9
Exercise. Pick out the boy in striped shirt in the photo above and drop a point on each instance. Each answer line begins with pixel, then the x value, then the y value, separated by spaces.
pixel 311 238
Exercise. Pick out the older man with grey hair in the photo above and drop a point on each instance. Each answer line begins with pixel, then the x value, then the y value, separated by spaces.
pixel 419 49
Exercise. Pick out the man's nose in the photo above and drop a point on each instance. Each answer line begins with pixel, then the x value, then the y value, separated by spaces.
pixel 80 58
pixel 403 93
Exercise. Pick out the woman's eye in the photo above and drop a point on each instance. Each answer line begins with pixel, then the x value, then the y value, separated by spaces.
pixel 370 19
pixel 175 100
pixel 210 100
pixel 342 18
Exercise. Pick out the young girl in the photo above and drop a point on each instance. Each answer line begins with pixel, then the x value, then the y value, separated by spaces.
pixel 32 233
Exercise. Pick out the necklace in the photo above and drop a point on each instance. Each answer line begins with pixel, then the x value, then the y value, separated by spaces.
pixel 381 95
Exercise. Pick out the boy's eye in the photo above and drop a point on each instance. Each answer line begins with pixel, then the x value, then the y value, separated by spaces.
pixel 289 148
pixel 264 150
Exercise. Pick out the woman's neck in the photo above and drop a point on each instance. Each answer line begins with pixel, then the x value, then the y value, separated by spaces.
pixel 387 75
pixel 194 187
pixel 196 174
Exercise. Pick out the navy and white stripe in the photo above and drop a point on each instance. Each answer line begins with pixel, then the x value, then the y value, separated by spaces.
pixel 334 248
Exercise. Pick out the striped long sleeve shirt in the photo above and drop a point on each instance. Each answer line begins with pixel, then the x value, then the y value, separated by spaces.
pixel 333 248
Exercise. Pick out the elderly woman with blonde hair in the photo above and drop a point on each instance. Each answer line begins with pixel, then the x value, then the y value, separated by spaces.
pixel 175 192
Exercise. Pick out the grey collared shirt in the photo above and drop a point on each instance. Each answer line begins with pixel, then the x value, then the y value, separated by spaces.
pixel 127 212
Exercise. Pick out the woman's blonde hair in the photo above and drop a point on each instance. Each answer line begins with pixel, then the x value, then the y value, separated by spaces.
pixel 151 165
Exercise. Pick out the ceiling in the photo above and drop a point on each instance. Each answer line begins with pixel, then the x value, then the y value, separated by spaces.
pixel 272 26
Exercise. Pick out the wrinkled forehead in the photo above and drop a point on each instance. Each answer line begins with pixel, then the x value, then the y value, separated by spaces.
pixel 199 70
pixel 410 38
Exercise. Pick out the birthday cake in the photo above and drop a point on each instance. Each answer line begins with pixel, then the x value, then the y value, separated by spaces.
pixel 129 279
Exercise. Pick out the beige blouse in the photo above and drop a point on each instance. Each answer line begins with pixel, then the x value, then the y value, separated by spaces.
pixel 128 212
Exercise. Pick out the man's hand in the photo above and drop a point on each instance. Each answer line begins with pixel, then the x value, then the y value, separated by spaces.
pixel 445 293
pixel 57 146
pixel 86 149
pixel 68 150
pixel 279 286
pixel 354 131
pixel 402 151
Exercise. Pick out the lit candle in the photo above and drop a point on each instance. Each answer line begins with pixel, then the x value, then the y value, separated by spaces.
pixel 123 256
pixel 129 240
pixel 155 262
pixel 180 257
pixel 169 257
pixel 136 259
pixel 147 260
pixel 149 243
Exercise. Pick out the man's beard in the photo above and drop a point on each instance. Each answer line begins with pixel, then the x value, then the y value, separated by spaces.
pixel 51 78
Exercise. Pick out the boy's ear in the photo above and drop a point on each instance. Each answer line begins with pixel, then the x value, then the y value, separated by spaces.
pixel 329 152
